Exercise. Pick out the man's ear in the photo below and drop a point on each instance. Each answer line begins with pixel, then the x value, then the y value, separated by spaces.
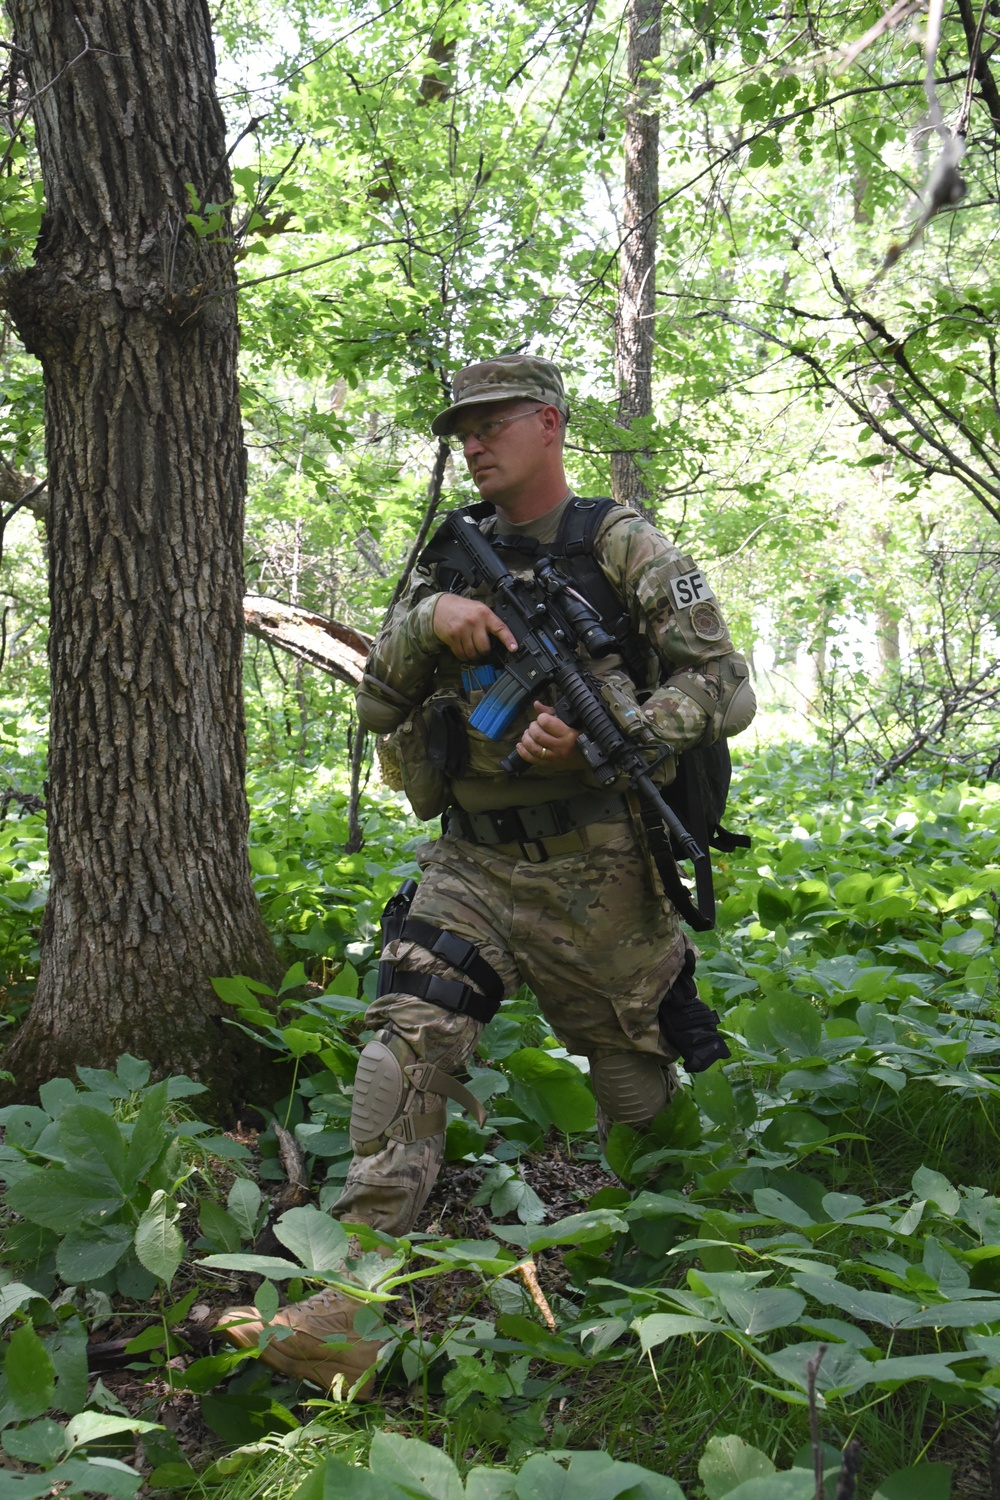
pixel 551 423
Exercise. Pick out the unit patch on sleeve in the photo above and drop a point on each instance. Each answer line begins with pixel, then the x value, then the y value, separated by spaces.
pixel 689 588
pixel 707 622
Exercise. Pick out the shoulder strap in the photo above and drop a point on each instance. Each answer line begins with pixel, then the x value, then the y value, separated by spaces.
pixel 574 545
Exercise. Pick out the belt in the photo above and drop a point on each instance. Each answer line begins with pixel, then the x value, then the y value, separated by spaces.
pixel 536 832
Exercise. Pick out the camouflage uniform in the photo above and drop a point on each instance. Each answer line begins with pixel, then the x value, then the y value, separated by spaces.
pixel 588 929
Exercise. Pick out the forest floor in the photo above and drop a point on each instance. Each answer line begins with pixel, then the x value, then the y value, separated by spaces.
pixel 560 1180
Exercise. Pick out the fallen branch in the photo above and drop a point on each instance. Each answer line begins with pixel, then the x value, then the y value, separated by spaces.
pixel 327 644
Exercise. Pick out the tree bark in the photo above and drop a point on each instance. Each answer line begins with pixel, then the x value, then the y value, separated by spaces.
pixel 636 306
pixel 124 306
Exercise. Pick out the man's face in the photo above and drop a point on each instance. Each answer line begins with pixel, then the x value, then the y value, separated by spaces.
pixel 503 443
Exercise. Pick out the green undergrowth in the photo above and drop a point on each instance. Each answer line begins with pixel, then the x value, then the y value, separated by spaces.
pixel 820 1212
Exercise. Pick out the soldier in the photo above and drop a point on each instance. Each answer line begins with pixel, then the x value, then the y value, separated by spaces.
pixel 539 879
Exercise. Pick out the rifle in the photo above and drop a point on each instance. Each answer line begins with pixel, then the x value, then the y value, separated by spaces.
pixel 549 620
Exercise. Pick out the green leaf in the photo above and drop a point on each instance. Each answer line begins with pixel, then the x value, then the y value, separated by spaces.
pixel 727 1462
pixel 218 1226
pixel 93 1141
pixel 266 1301
pixel 30 1374
pixel 657 1328
pixel 133 1071
pixel 159 1244
pixel 243 1203
pixel 922 1482
pixel 150 1137
pixel 579 1229
pixel 774 907
pixel 760 1310
pixel 90 1426
pixel 59 1199
pixel 868 1307
pixel 319 1241
pixel 41 1443
pixel 414 1464
pixel 788 1020
pixel 89 1255
pixel 558 1085
pixel 540 1341
pixel 935 1188
pixel 334 1480
pixel 13 1296
pixel 258 1265
pixel 790 1484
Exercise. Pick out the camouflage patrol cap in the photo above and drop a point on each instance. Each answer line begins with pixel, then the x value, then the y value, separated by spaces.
pixel 509 377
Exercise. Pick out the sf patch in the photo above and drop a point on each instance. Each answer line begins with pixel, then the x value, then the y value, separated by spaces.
pixel 690 588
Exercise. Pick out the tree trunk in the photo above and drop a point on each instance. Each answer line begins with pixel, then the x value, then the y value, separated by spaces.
pixel 636 307
pixel 132 316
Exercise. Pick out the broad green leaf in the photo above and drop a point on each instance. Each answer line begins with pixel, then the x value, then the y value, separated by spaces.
pixel 410 1462
pixel 490 1484
pixel 30 1374
pixel 258 1265
pixel 789 1484
pixel 266 1301
pixel 657 1328
pixel 760 1311
pixel 159 1244
pixel 59 1200
pixel 869 1307
pixel 922 1482
pixel 774 906
pixel 579 1229
pixel 90 1426
pixel 133 1072
pixel 244 1205
pixel 88 1256
pixel 936 1188
pixel 566 1099
pixel 788 1021
pixel 91 1140
pixel 778 1205
pixel 332 1479
pixel 727 1462
pixel 218 1226
pixel 150 1137
pixel 39 1443
pixel 319 1241
pixel 13 1296
pixel 916 1367
pixel 841 1368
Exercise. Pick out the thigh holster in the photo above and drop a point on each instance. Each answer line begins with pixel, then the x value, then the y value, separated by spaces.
pixel 480 999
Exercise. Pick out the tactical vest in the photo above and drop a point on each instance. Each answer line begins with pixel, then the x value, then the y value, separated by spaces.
pixel 700 788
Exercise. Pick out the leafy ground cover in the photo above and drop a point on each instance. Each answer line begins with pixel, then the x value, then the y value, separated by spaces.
pixel 819 1216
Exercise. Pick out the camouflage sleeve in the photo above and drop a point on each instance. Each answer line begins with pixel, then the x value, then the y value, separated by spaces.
pixel 675 612
pixel 399 672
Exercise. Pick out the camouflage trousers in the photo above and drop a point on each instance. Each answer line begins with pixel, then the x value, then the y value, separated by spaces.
pixel 584 930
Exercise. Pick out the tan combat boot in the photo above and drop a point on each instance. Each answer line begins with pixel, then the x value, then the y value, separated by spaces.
pixel 304 1355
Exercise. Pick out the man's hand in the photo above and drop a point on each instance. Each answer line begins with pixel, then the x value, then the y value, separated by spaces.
pixel 465 627
pixel 549 742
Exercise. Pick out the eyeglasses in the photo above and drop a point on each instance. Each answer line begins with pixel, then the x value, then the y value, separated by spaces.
pixel 486 431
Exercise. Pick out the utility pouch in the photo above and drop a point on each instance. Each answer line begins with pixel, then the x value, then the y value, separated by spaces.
pixel 431 747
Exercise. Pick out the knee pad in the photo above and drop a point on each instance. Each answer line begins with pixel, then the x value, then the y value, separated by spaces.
pixel 631 1087
pixel 382 1103
pixel 380 1088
